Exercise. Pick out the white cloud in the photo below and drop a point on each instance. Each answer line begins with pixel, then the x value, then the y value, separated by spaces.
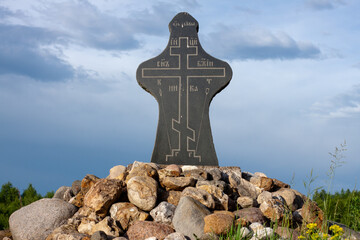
pixel 357 65
pixel 345 105
pixel 21 53
pixel 236 43
pixel 324 4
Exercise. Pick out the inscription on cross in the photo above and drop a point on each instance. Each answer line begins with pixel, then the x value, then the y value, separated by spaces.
pixel 184 79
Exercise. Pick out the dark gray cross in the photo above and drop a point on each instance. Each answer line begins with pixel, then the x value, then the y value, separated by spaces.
pixel 184 79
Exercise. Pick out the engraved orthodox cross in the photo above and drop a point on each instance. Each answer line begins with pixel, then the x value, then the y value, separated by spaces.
pixel 184 79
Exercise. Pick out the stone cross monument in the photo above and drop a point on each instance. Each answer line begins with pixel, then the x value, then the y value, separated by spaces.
pixel 184 79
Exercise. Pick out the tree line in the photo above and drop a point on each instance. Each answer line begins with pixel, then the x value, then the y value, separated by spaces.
pixel 342 207
pixel 11 200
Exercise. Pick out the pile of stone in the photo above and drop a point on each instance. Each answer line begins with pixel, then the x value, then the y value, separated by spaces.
pixel 171 202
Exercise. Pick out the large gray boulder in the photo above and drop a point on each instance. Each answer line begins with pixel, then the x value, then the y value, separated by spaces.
pixel 189 217
pixel 37 220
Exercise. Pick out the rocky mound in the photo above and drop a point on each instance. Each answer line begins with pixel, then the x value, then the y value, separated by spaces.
pixel 150 201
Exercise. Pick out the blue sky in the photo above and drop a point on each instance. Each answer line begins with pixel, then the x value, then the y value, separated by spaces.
pixel 70 104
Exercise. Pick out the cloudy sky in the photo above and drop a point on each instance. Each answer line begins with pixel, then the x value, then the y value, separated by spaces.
pixel 70 104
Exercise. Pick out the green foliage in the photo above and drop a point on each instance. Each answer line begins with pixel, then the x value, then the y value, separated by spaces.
pixel 30 195
pixel 9 203
pixel 342 207
pixel 49 194
pixel 11 200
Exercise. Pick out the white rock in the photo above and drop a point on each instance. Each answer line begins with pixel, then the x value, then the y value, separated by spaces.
pixel 245 202
pixel 256 226
pixel 188 168
pixel 116 171
pixel 260 174
pixel 137 164
pixel 244 231
pixel 175 236
pixel 262 234
pixel 86 226
pixel 264 196
pixel 163 213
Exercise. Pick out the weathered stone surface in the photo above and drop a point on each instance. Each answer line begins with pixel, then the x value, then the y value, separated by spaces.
pixel 293 198
pixel 86 183
pixel 177 183
pixel 296 216
pixel 246 202
pixel 142 192
pixel 200 195
pixel 171 170
pixel 215 174
pixel 244 232
pixel 311 213
pixel 108 226
pixel 76 187
pixel 262 182
pixel 163 213
pixel 102 195
pixel 172 197
pixel 265 195
pixel 273 209
pixel 151 238
pixel 175 236
pixel 189 217
pixel 227 171
pixel 266 233
pixel 78 200
pixel 256 226
pixel 127 213
pixel 198 174
pixel 251 215
pixel 234 179
pixel 279 184
pixel 86 226
pixel 241 222
pixel 141 230
pixel 221 199
pixel 247 175
pixel 66 232
pixel 142 169
pixel 99 235
pixel 231 214
pixel 38 219
pixel 117 172
pixel 218 223
pixel 64 193
pixel 246 189
pixel 174 168
pixel 217 183
pixel 287 233
pixel 260 174
pixel 209 236
pixel 5 233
